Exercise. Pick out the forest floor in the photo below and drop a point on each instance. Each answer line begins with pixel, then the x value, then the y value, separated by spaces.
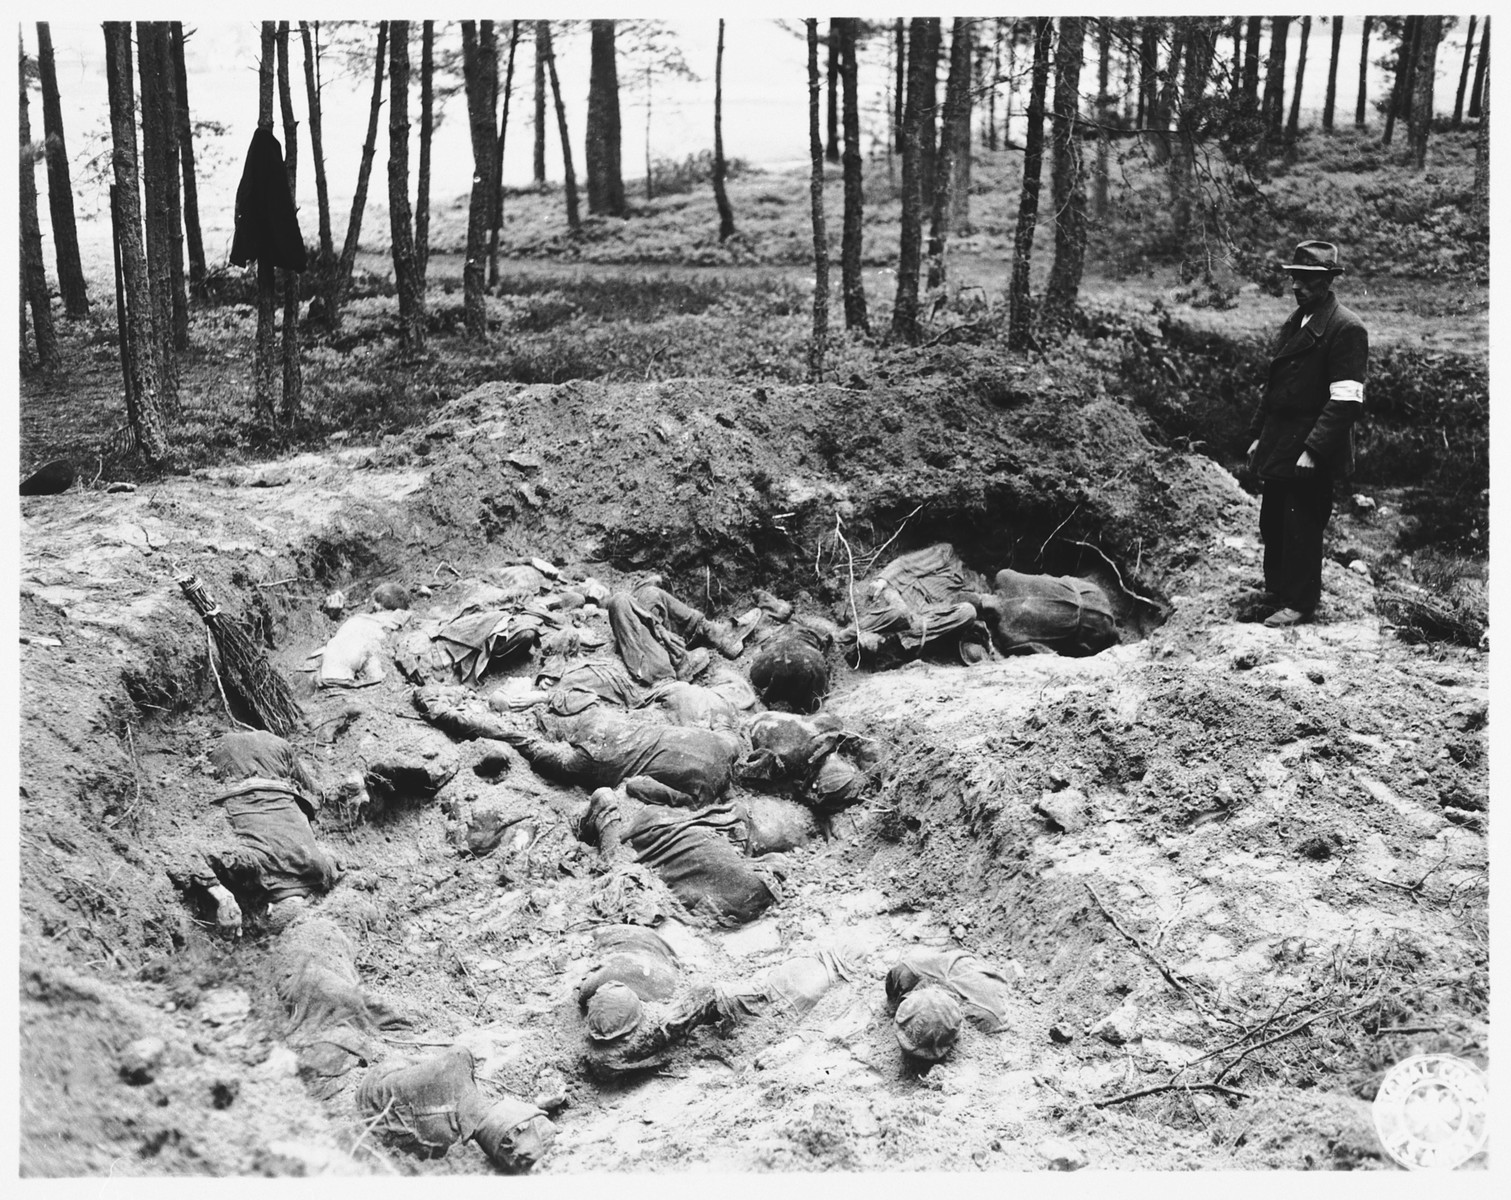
pixel 1269 865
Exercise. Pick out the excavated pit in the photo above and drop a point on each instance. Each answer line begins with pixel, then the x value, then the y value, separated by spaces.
pixel 1124 835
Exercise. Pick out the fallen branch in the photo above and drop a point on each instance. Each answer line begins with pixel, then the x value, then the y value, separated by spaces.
pixel 944 333
pixel 1173 1087
pixel 1126 590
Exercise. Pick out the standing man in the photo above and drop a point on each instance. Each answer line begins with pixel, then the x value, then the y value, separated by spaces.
pixel 1301 437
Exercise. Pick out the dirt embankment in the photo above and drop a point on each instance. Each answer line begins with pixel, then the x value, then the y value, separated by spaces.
pixel 1208 834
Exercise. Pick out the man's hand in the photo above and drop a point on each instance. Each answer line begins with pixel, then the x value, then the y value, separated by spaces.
pixel 227 912
pixel 1306 462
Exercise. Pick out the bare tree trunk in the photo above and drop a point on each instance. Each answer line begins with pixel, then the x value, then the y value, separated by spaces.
pixel 1482 141
pixel 820 343
pixel 721 197
pixel 1020 318
pixel 852 284
pixel 1361 110
pixel 905 307
pixel 929 138
pixel 1458 103
pixel 405 269
pixel 1148 73
pixel 265 368
pixel 991 91
pixel 1159 139
pixel 1401 89
pixel 293 375
pixel 1104 115
pixel 33 269
pixel 480 71
pixel 1274 80
pixel 1067 183
pixel 540 105
pixel 1252 35
pixel 900 87
pixel 427 129
pixel 160 199
pixel 957 89
pixel 192 234
pixel 1331 103
pixel 341 280
pixel 543 40
pixel 1424 74
pixel 1479 89
pixel 312 87
pixel 497 224
pixel 960 189
pixel 65 231
pixel 1293 123
pixel 1201 49
pixel 605 178
pixel 831 145
pixel 142 396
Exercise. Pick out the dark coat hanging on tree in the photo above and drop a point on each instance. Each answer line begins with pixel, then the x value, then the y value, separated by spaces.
pixel 266 224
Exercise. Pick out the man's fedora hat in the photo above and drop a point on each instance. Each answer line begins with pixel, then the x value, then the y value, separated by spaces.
pixel 1315 256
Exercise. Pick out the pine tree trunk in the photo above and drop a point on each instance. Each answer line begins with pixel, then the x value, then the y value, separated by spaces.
pixel 480 72
pixel 1148 72
pixel 192 234
pixel 142 409
pixel 991 92
pixel 1293 123
pixel 605 178
pixel 905 308
pixel 293 375
pixel 160 200
pixel 540 104
pixel 33 268
pixel 1424 75
pixel 497 224
pixel 957 90
pixel 900 85
pixel 831 144
pixel 265 384
pixel 400 222
pixel 1361 111
pixel 1067 183
pixel 960 189
pixel 721 197
pixel 819 344
pixel 1479 91
pixel 1458 102
pixel 312 86
pixel 1165 98
pixel 1020 317
pixel 1252 35
pixel 929 138
pixel 852 284
pixel 427 129
pixel 1400 92
pixel 65 231
pixel 1330 104
pixel 543 39
pixel 1104 116
pixel 1273 111
pixel 1482 141
pixel 342 277
pixel 1201 49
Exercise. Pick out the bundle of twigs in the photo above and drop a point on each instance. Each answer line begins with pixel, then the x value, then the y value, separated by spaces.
pixel 241 669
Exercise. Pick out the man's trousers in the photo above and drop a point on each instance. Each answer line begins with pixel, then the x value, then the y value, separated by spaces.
pixel 1292 516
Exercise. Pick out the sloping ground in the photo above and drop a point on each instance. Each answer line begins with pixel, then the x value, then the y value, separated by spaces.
pixel 1250 827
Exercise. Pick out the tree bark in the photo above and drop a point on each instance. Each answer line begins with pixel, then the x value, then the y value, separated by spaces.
pixel 65 231
pixel 312 86
pixel 991 91
pixel 929 139
pixel 427 130
pixel 1020 317
pixel 956 98
pixel 960 189
pixel 721 197
pixel 539 167
pixel 1165 98
pixel 1252 35
pixel 1330 104
pixel 1104 116
pixel 900 85
pixel 820 343
pixel 543 39
pixel 1067 184
pixel 293 374
pixel 1401 89
pixel 1458 102
pixel 1148 72
pixel 341 280
pixel 831 145
pixel 1424 75
pixel 480 72
pixel 1482 141
pixel 160 199
pixel 405 269
pixel 605 177
pixel 1273 110
pixel 142 409
pixel 265 370
pixel 1361 111
pixel 1479 91
pixel 1201 49
pixel 1293 123
pixel 852 284
pixel 192 234
pixel 33 268
pixel 497 224
pixel 905 308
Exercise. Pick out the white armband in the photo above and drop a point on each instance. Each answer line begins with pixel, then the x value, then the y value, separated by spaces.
pixel 1347 391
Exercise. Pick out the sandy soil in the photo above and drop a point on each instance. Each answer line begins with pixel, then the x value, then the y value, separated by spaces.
pixel 1251 828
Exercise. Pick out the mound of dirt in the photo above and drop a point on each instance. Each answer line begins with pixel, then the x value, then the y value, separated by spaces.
pixel 1209 835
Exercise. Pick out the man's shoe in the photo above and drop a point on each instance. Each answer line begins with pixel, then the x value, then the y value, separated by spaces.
pixel 1285 618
